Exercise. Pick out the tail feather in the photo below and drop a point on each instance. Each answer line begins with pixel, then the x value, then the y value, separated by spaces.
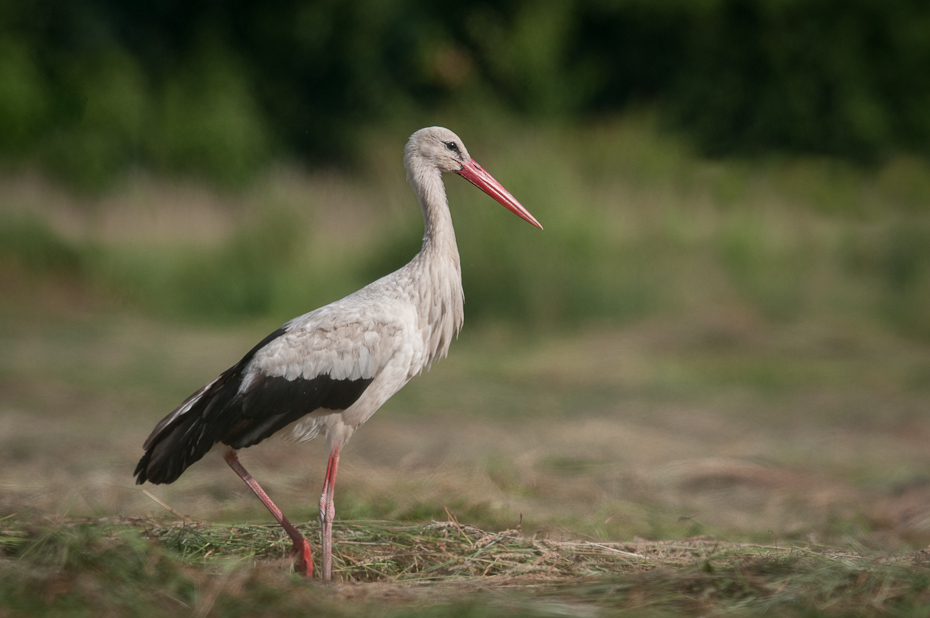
pixel 185 437
pixel 190 431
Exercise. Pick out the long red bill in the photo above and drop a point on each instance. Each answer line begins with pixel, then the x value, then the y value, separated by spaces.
pixel 476 175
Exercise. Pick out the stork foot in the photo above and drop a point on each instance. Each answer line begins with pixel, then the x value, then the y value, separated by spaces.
pixel 304 563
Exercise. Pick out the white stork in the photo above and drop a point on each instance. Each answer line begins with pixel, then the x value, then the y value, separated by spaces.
pixel 332 368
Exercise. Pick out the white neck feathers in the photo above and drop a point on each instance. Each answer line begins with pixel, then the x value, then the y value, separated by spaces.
pixel 437 268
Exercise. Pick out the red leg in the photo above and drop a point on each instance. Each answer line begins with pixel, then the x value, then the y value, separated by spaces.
pixel 301 546
pixel 328 512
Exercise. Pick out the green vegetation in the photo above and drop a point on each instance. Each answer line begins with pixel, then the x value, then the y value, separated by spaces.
pixel 635 226
pixel 91 89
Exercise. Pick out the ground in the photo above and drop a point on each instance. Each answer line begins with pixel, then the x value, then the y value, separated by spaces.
pixel 660 466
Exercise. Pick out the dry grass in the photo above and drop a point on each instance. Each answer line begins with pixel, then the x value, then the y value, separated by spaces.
pixel 386 568
pixel 373 551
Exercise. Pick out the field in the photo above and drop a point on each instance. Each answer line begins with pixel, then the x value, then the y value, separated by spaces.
pixel 702 389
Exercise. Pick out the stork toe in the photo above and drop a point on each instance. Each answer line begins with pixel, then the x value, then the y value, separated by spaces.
pixel 304 563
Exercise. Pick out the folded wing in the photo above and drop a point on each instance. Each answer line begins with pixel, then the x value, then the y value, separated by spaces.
pixel 296 370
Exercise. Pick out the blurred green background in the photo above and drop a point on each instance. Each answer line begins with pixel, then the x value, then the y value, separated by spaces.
pixel 736 260
pixel 90 89
pixel 774 152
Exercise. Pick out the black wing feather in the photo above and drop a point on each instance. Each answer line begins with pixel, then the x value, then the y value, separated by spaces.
pixel 273 403
pixel 220 413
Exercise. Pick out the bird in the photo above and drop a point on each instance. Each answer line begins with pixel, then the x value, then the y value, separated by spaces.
pixel 330 370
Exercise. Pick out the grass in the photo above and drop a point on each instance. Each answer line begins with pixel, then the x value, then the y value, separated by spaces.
pixel 144 568
pixel 371 551
pixel 746 494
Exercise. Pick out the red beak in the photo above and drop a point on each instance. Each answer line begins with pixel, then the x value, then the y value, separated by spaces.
pixel 476 175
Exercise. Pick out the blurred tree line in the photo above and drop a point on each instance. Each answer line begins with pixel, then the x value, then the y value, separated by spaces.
pixel 220 87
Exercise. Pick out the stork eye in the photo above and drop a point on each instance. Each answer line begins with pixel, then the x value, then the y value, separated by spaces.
pixel 453 147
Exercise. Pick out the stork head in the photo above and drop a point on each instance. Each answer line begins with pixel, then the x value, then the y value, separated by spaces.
pixel 437 148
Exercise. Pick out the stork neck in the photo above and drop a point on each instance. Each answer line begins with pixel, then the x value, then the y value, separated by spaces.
pixel 438 232
pixel 438 267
